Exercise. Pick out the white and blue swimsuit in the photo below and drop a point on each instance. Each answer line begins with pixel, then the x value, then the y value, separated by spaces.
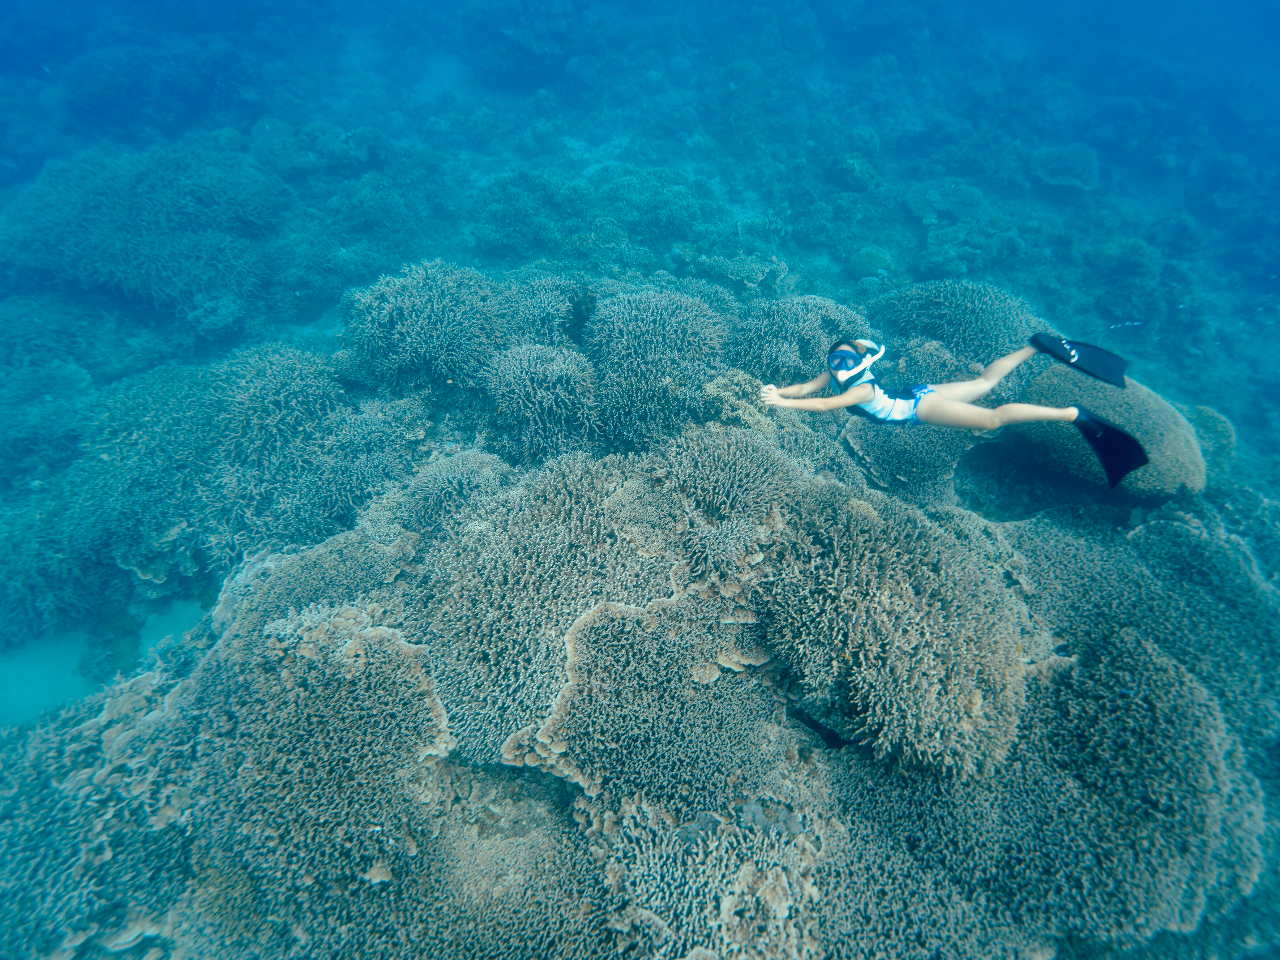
pixel 898 407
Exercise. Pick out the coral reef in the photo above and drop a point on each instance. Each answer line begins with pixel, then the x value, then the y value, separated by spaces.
pixel 536 634
pixel 544 401
pixel 646 629
pixel 1170 441
pixel 434 322
pixel 652 352
pixel 1075 165
pixel 501 656
pixel 186 469
pixel 647 708
pixel 904 632
pixel 786 341
pixel 177 226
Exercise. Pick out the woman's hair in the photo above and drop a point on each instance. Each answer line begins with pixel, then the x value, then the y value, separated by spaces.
pixel 845 343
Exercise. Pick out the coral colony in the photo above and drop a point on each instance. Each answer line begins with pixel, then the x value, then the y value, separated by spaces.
pixel 432 376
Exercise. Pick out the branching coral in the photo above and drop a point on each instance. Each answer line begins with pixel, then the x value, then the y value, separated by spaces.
pixel 544 401
pixel 433 322
pixel 276 401
pixel 188 468
pixel 891 620
pixel 786 341
pixel 173 225
pixel 1124 809
pixel 651 350
pixel 730 474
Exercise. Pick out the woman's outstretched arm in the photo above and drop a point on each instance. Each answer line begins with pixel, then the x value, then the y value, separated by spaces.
pixel 773 397
pixel 802 389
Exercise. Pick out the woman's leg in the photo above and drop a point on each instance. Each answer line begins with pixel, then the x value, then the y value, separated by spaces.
pixel 939 409
pixel 968 391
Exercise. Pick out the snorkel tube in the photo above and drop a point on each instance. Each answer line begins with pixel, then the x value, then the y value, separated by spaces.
pixel 869 359
pixel 865 347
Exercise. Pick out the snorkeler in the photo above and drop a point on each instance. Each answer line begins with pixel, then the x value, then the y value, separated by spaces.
pixel 952 404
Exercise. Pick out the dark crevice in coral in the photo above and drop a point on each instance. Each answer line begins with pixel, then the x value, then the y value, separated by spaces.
pixel 831 739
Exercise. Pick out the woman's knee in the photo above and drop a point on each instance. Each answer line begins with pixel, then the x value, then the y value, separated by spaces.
pixel 999 417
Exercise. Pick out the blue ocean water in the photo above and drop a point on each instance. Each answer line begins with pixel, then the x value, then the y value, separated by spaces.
pixel 400 556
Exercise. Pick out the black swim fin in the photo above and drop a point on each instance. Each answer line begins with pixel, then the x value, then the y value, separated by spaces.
pixel 1096 362
pixel 1119 453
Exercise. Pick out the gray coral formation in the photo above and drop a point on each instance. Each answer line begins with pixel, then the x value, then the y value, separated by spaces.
pixel 652 351
pixel 786 341
pixel 544 400
pixel 715 697
pixel 974 322
pixel 913 461
pixel 180 226
pixel 188 468
pixel 911 639
pixel 1170 441
pixel 647 708
pixel 434 322
pixel 191 467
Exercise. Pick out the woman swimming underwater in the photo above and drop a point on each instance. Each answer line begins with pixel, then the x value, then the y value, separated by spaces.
pixel 952 404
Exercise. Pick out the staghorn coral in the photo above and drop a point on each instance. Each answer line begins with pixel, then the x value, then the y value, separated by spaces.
pixel 651 350
pixel 207 462
pixel 974 322
pixel 239 847
pixel 731 473
pixel 95 807
pixel 433 322
pixel 544 401
pixel 428 501
pixel 1183 580
pixel 175 225
pixel 902 632
pixel 786 341
pixel 737 395
pixel 801 870
pixel 545 308
pixel 276 401
pixel 645 325
pixel 50 575
pixel 1170 441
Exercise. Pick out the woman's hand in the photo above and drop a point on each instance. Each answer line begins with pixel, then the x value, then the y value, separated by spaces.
pixel 769 395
